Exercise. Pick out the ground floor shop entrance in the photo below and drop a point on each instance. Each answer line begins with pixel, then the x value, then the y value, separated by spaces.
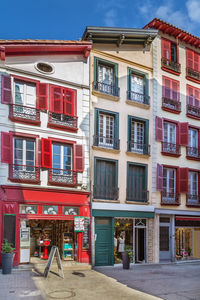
pixel 165 238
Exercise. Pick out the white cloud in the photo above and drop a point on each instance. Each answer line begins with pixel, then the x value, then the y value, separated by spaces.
pixel 110 18
pixel 193 7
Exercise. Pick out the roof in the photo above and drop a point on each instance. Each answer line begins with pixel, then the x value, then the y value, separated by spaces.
pixel 53 42
pixel 118 36
pixel 174 31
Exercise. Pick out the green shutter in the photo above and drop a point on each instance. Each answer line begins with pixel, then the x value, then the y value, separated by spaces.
pixel 146 135
pixel 146 88
pixel 116 133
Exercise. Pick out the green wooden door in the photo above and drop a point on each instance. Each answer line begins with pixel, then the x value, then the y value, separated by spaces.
pixel 104 242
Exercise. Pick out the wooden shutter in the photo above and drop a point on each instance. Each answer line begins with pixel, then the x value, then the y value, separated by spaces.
pixel 190 58
pixel 196 62
pixel 197 97
pixel 166 49
pixel 46 153
pixel 159 129
pixel 6 95
pixel 183 180
pixel 79 158
pixel 190 94
pixel 6 147
pixel 159 177
pixel 57 99
pixel 42 90
pixel 175 90
pixel 166 87
pixel 183 134
pixel 69 102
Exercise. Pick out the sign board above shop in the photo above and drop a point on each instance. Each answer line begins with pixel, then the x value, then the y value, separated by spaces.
pixel 79 224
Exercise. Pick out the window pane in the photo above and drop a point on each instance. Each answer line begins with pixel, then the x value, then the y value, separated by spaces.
pixel 30 94
pixel 19 93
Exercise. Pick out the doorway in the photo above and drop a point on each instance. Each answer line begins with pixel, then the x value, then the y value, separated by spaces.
pixel 165 238
pixel 140 245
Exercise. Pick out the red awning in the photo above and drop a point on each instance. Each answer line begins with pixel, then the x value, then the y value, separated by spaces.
pixel 183 218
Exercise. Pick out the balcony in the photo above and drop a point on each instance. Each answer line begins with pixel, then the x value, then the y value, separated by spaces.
pixel 193 111
pixel 170 65
pixel 109 89
pixel 138 148
pixel 106 142
pixel 137 97
pixel 171 105
pixel 193 153
pixel 169 198
pixel 24 113
pixel 62 177
pixel 63 121
pixel 24 173
pixel 192 74
pixel 193 200
pixel 137 195
pixel 105 192
pixel 170 149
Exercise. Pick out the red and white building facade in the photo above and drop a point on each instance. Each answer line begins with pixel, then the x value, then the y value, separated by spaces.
pixel 44 125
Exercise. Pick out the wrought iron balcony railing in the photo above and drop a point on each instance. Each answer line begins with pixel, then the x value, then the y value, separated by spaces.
pixel 170 148
pixel 193 111
pixel 24 113
pixel 193 200
pixel 62 177
pixel 171 65
pixel 105 192
pixel 106 142
pixel 24 173
pixel 171 104
pixel 193 73
pixel 170 198
pixel 137 97
pixel 137 195
pixel 63 120
pixel 193 152
pixel 105 88
pixel 138 148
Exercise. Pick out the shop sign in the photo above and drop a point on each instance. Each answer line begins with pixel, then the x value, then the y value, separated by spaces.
pixel 86 233
pixel 79 224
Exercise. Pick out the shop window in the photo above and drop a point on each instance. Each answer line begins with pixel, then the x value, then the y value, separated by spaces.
pixel 50 209
pixel 193 102
pixel 9 228
pixel 193 65
pixel 106 129
pixel 28 209
pixel 170 56
pixel 171 95
pixel 69 210
pixel 138 87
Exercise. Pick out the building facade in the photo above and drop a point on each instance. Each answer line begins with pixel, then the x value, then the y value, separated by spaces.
pixel 121 126
pixel 44 125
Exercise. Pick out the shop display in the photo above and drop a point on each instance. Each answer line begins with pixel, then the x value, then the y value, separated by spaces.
pixel 68 246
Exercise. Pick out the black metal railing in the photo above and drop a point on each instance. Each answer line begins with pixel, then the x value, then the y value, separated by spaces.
pixel 105 192
pixel 193 200
pixel 24 112
pixel 193 73
pixel 193 152
pixel 171 65
pixel 137 195
pixel 24 173
pixel 170 148
pixel 106 142
pixel 63 120
pixel 138 148
pixel 193 110
pixel 170 198
pixel 137 97
pixel 110 89
pixel 171 104
pixel 62 177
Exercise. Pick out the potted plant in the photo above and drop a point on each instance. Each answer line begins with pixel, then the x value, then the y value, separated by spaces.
pixel 7 257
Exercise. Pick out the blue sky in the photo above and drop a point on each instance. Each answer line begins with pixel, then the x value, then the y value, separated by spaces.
pixel 64 19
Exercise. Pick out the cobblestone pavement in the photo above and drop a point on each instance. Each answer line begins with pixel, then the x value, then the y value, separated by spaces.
pixel 179 281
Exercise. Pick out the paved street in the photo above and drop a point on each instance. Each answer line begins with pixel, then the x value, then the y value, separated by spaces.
pixel 170 281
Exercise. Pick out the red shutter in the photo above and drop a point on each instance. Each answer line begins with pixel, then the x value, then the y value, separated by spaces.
pixel 6 95
pixel 196 62
pixel 69 102
pixel 57 99
pixel 46 153
pixel 79 158
pixel 159 177
pixel 197 97
pixel 6 147
pixel 159 129
pixel 183 180
pixel 166 46
pixel 166 87
pixel 190 58
pixel 190 94
pixel 183 134
pixel 175 90
pixel 42 96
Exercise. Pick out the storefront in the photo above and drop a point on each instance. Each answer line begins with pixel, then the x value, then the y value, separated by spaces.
pixel 35 219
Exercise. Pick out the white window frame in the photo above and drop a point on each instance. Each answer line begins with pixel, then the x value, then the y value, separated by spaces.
pixel 138 92
pixel 193 142
pixel 168 171
pixel 107 139
pixel 62 170
pixel 25 93
pixel 137 146
pixel 191 180
pixel 24 165
pixel 169 134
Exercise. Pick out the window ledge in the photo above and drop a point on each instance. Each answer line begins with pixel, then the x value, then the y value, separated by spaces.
pixel 105 149
pixel 62 184
pixel 62 127
pixel 138 154
pixel 105 96
pixel 137 202
pixel 138 104
pixel 170 154
pixel 100 200
pixel 174 111
pixel 24 180
pixel 192 157
pixel 24 121
pixel 171 71
pixel 192 116
pixel 192 79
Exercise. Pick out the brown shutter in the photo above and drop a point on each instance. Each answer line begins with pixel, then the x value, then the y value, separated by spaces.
pixel 190 58
pixel 6 95
pixel 79 158
pixel 159 129
pixel 183 180
pixel 166 49
pixel 42 96
pixel 159 177
pixel 46 153
pixel 183 134
pixel 6 147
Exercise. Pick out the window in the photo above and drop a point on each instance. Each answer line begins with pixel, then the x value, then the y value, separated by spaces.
pixel 193 102
pixel 105 179
pixel 193 147
pixel 106 129
pixel 105 77
pixel 62 158
pixel 171 95
pixel 169 56
pixel 169 185
pixel 24 154
pixel 138 135
pixel 169 144
pixel 193 185
pixel 193 65
pixel 138 86
pixel 24 93
pixel 136 182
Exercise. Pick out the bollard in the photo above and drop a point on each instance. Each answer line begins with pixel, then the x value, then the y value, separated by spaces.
pixel 125 260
